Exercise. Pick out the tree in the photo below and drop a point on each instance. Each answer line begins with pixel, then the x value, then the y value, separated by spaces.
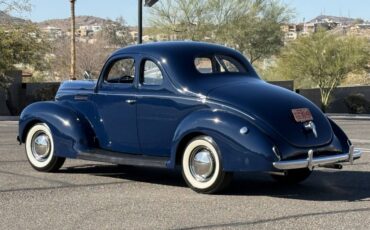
pixel 186 19
pixel 116 33
pixel 21 46
pixel 19 43
pixel 254 29
pixel 73 41
pixel 90 57
pixel 91 54
pixel 7 6
pixel 324 59
pixel 251 26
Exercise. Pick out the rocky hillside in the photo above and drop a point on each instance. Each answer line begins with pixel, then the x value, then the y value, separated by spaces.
pixel 64 24
pixel 342 20
pixel 6 18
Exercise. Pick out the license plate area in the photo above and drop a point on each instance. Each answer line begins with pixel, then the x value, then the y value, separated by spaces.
pixel 302 115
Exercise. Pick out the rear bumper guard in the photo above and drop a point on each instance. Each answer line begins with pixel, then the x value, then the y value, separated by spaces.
pixel 310 162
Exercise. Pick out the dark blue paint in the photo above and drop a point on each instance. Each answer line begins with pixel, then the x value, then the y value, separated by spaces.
pixel 71 132
pixel 276 112
pixel 94 114
pixel 117 119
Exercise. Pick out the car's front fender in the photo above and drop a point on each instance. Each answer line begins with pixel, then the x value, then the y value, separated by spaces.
pixel 251 151
pixel 71 133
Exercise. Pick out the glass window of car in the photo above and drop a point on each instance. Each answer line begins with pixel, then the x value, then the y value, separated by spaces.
pixel 152 75
pixel 203 64
pixel 230 65
pixel 122 71
pixel 218 64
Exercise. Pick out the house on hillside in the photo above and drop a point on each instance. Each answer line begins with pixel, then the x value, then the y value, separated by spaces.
pixel 53 32
pixel 291 31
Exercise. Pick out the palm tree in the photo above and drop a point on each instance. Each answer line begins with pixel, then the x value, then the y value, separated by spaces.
pixel 73 41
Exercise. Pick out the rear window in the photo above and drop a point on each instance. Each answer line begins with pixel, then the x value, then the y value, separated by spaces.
pixel 218 64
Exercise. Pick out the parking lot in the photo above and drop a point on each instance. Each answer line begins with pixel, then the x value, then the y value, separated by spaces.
pixel 92 195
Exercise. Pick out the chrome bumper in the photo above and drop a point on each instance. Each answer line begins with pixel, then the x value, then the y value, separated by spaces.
pixel 311 161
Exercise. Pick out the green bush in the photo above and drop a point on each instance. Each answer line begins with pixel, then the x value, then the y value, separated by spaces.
pixel 45 94
pixel 357 104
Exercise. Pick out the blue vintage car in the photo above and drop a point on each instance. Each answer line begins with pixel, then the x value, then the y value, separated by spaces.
pixel 195 106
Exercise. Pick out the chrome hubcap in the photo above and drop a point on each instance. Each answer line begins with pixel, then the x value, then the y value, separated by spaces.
pixel 201 164
pixel 41 146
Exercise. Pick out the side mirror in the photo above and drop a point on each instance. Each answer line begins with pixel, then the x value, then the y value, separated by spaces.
pixel 87 75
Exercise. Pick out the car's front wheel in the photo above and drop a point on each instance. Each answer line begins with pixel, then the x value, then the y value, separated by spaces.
pixel 40 149
pixel 293 176
pixel 202 167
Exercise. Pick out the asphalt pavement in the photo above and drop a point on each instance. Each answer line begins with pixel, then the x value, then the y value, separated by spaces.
pixel 89 195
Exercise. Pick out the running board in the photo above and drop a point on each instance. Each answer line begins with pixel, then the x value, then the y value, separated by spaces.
pixel 123 158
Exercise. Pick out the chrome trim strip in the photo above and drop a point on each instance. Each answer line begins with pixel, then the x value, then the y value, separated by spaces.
pixel 81 97
pixel 123 158
pixel 200 98
pixel 311 162
pixel 309 159
pixel 351 154
pixel 232 108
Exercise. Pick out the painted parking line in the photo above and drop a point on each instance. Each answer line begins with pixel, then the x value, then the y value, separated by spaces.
pixel 365 150
pixel 8 123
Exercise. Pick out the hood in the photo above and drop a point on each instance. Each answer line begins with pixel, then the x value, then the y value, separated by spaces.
pixel 78 85
pixel 273 106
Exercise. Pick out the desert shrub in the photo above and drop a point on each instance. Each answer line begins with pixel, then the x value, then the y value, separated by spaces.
pixel 46 93
pixel 357 103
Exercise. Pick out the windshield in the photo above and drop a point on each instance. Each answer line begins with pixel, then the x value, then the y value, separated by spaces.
pixel 218 64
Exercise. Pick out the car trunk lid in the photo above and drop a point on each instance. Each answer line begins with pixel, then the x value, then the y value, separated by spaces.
pixel 273 105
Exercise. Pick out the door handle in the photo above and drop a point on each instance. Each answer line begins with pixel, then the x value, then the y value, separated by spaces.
pixel 130 101
pixel 81 97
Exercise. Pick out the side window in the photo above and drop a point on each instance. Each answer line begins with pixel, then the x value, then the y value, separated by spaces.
pixel 152 75
pixel 230 64
pixel 203 64
pixel 218 64
pixel 231 67
pixel 122 71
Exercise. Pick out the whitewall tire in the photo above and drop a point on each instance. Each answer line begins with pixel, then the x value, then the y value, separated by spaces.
pixel 40 149
pixel 202 167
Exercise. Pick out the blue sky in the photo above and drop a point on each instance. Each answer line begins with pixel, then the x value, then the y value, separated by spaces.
pixel 309 9
pixel 305 9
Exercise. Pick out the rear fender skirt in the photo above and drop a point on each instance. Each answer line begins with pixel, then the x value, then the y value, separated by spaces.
pixel 71 132
pixel 251 151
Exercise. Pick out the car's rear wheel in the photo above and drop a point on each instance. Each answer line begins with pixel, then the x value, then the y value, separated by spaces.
pixel 40 149
pixel 293 176
pixel 202 166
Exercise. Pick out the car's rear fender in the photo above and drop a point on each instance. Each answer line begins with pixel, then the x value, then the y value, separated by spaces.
pixel 342 137
pixel 71 132
pixel 251 151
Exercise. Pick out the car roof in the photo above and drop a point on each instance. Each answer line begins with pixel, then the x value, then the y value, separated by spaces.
pixel 168 48
pixel 177 58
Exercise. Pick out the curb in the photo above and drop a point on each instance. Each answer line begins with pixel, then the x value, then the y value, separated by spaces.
pixel 349 117
pixel 9 118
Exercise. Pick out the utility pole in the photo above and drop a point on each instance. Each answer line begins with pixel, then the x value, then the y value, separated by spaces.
pixel 73 41
pixel 148 3
pixel 140 23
